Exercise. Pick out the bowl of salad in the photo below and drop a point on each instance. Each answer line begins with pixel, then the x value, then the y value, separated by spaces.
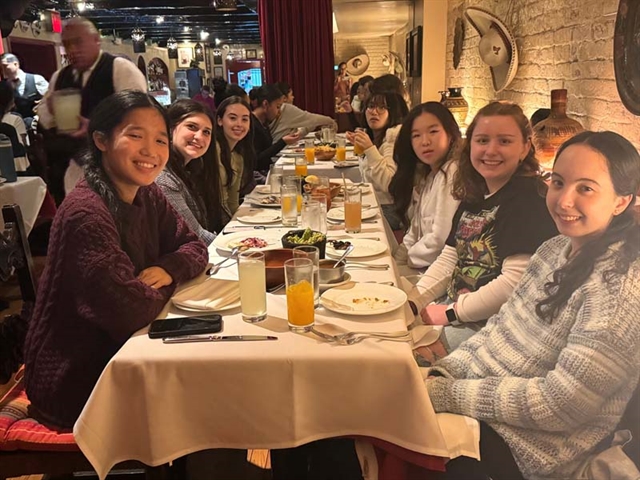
pixel 296 238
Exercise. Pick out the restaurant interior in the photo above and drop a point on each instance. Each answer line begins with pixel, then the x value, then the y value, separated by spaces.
pixel 218 408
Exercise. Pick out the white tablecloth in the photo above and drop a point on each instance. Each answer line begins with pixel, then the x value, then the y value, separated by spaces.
pixel 157 402
pixel 28 192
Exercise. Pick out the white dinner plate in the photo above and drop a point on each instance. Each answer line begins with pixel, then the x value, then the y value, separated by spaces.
pixel 363 299
pixel 230 306
pixel 263 189
pixel 260 217
pixel 259 202
pixel 345 279
pixel 363 247
pixel 337 214
pixel 226 243
pixel 286 161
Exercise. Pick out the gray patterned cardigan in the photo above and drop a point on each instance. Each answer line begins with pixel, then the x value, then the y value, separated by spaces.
pixel 554 390
pixel 178 196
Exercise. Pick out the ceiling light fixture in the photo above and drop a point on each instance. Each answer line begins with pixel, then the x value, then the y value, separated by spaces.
pixel 172 43
pixel 225 5
pixel 218 41
pixel 204 35
pixel 137 35
pixel 186 29
pixel 159 20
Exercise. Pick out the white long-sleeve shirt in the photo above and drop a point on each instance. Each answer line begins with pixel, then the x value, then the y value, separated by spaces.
pixel 126 76
pixel 434 208
pixel 378 166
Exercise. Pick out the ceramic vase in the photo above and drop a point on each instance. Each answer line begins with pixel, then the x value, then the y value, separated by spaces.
pixel 456 104
pixel 552 132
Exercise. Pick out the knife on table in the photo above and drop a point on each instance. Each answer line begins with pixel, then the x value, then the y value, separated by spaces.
pixel 217 338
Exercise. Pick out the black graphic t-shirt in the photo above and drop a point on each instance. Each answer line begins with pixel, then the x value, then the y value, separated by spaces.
pixel 512 221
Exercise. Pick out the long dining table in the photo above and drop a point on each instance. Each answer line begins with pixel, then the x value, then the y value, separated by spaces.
pixel 156 402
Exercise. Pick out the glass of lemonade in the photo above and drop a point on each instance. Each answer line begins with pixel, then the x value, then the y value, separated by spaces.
pixel 312 253
pixel 301 167
pixel 310 151
pixel 288 204
pixel 341 150
pixel 299 277
pixel 353 210
pixel 253 286
pixel 66 109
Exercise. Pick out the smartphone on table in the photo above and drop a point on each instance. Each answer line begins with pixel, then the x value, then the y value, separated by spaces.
pixel 177 327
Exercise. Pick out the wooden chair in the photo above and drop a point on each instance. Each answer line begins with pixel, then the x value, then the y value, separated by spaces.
pixel 37 457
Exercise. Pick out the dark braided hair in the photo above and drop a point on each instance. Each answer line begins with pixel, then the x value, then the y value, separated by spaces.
pixel 109 113
pixel 624 168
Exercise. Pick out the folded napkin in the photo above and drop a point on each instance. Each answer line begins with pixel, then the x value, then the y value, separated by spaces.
pixel 211 294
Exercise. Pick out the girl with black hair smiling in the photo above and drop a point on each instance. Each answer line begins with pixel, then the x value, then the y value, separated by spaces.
pixel 551 374
pixel 236 157
pixel 425 155
pixel 116 253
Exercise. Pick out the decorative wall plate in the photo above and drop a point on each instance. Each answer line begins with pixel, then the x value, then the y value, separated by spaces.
pixel 626 54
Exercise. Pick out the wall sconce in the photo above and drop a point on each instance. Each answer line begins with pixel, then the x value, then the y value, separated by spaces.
pixel 199 53
pixel 225 5
pixel 172 48
pixel 137 35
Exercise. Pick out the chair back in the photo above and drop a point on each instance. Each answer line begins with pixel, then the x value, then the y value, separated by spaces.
pixel 20 258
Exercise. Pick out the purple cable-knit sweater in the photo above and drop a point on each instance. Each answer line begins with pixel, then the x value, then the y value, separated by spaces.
pixel 89 300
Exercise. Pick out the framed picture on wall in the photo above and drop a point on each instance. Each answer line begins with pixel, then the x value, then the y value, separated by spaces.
pixel 416 52
pixel 251 53
pixel 185 55
pixel 218 72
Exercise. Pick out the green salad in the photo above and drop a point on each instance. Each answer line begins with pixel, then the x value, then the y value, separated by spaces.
pixel 308 237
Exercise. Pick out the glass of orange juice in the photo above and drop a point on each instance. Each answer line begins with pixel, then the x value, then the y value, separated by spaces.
pixel 301 167
pixel 341 150
pixel 353 210
pixel 357 149
pixel 310 151
pixel 298 273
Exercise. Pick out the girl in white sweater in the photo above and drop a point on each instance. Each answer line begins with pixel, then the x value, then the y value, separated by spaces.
pixel 425 154
pixel 384 113
pixel 551 374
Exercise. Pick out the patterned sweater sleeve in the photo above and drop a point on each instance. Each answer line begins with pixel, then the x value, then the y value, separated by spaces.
pixel 175 192
pixel 601 355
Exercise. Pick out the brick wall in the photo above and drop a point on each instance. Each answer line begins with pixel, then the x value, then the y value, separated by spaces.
pixel 561 44
pixel 375 47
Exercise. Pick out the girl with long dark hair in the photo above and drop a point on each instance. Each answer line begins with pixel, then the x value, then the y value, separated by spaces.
pixel 384 113
pixel 236 157
pixel 116 253
pixel 550 375
pixel 425 155
pixel 500 223
pixel 192 131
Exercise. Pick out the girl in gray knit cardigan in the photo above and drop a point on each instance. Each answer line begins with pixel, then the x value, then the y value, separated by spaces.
pixel 551 374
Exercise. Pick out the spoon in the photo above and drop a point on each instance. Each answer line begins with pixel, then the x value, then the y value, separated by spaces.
pixel 347 251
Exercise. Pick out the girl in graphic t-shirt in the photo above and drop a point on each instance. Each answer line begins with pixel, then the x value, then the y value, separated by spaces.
pixel 501 221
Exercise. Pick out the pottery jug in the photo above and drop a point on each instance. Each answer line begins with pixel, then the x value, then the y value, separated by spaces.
pixel 456 104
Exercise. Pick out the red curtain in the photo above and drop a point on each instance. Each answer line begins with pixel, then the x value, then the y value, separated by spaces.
pixel 297 38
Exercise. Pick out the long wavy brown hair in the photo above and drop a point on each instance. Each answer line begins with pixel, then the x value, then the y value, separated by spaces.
pixel 468 185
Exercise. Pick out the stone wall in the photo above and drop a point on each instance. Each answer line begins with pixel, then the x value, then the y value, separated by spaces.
pixel 561 44
pixel 375 47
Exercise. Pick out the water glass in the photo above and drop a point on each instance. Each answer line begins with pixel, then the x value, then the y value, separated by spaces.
pixel 328 134
pixel 353 210
pixel 298 274
pixel 312 253
pixel 253 286
pixel 311 215
pixel 321 224
pixel 275 178
pixel 288 204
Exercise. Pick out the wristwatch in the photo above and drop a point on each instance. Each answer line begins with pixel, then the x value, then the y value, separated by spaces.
pixel 452 316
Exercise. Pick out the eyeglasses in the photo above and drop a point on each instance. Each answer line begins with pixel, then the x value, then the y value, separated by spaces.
pixel 377 108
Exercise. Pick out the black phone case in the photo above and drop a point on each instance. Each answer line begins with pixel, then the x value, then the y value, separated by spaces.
pixel 214 321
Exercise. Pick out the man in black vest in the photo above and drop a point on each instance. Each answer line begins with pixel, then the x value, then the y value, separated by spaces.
pixel 28 88
pixel 97 75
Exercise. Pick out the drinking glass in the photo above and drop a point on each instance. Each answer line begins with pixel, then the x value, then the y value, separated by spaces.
pixel 341 150
pixel 310 215
pixel 296 182
pixel 312 253
pixel 288 204
pixel 275 178
pixel 323 206
pixel 301 166
pixel 253 286
pixel 66 109
pixel 353 210
pixel 298 273
pixel 328 134
pixel 357 150
pixel 310 151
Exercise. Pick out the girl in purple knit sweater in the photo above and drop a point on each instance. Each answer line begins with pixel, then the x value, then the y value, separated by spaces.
pixel 116 253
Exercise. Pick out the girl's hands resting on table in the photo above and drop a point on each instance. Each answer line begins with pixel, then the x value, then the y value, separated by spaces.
pixel 155 277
